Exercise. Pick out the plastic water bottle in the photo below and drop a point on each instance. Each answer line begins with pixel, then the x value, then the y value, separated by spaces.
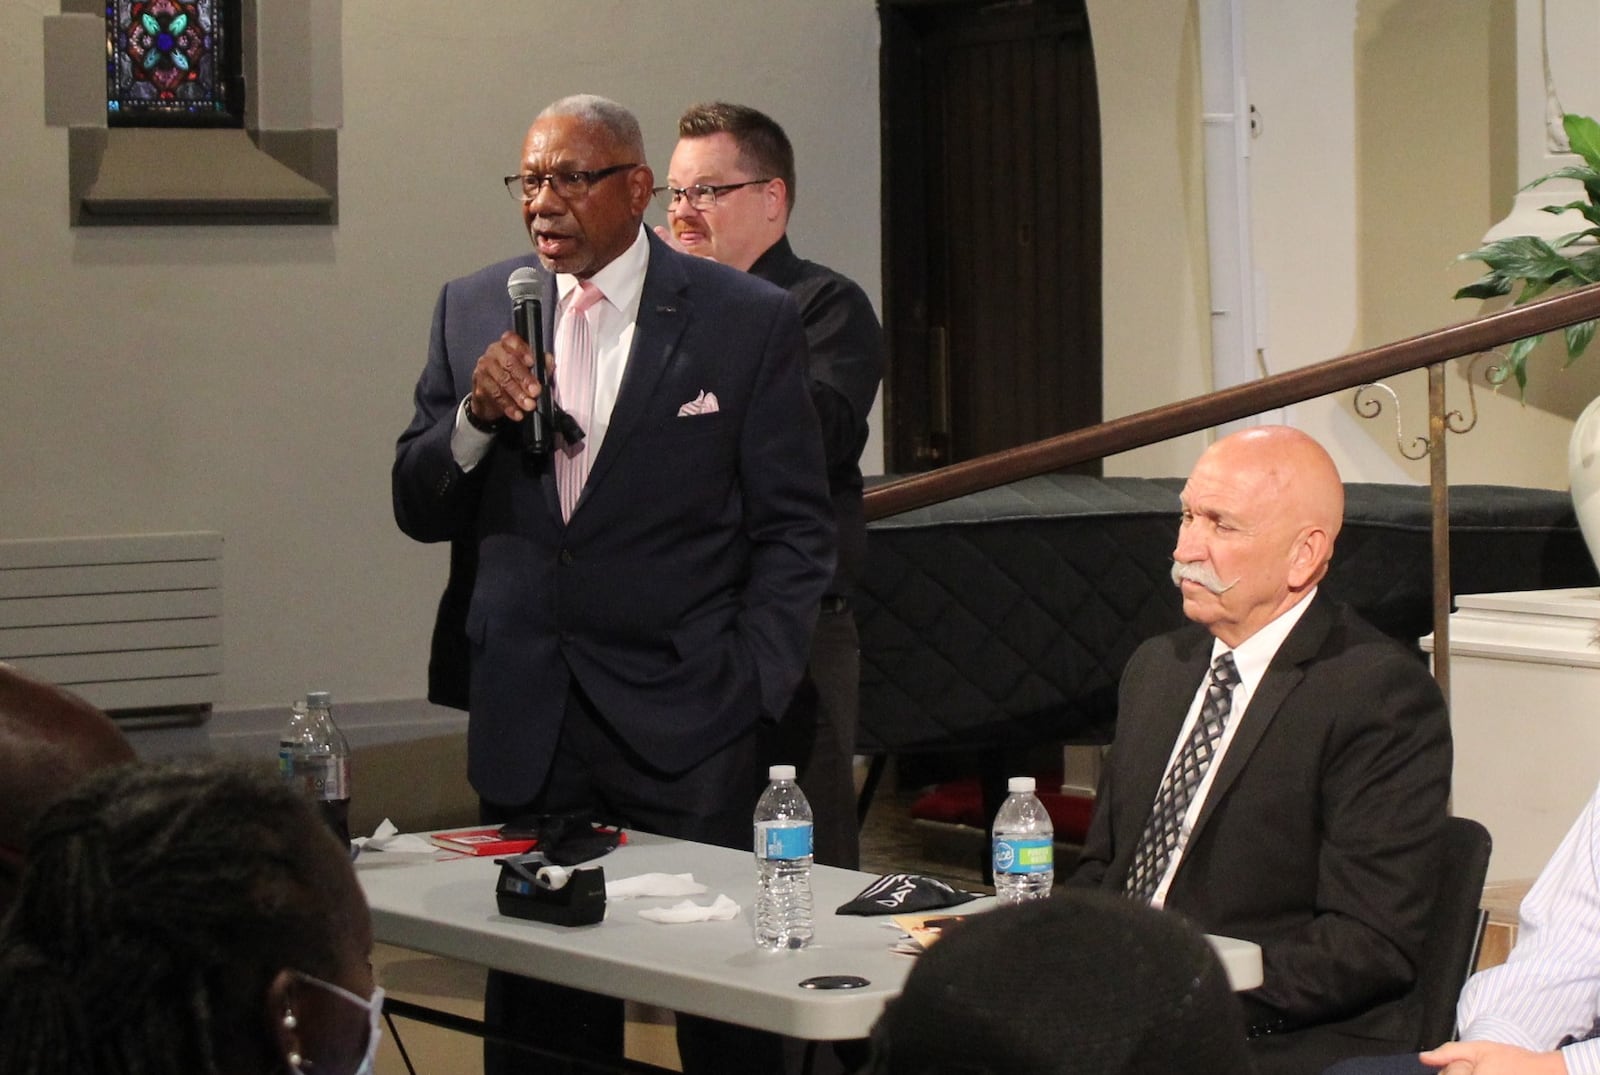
pixel 783 863
pixel 294 744
pixel 313 753
pixel 1024 845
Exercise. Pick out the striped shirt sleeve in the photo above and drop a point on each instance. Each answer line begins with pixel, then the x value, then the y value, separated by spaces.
pixel 1548 990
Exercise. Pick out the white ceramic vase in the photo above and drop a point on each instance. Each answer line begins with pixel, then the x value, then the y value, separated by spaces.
pixel 1583 470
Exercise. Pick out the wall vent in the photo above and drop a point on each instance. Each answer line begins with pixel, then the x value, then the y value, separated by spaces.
pixel 132 623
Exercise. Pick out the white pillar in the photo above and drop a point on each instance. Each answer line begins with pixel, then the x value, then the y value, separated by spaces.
pixel 1556 44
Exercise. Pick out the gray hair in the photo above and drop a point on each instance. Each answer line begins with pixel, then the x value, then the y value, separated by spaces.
pixel 605 113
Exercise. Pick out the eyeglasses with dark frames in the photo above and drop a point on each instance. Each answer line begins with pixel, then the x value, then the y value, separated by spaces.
pixel 571 184
pixel 701 196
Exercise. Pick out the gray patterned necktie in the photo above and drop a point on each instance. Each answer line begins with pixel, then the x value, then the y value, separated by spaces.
pixel 1172 801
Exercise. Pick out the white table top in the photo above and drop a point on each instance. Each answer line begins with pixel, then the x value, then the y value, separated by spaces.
pixel 447 907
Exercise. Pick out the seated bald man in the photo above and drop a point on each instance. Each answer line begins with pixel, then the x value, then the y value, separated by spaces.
pixel 1281 768
pixel 50 740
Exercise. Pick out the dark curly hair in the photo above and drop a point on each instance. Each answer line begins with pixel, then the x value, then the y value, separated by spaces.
pixel 156 905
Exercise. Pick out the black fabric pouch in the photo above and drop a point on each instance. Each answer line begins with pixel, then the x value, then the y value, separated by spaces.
pixel 905 893
pixel 565 839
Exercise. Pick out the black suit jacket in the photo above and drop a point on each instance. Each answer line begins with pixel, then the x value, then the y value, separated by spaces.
pixel 683 592
pixel 1317 838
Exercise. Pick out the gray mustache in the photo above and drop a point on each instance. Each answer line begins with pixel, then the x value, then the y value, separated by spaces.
pixel 1201 573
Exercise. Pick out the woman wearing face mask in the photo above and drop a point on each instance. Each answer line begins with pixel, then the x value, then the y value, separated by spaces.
pixel 186 919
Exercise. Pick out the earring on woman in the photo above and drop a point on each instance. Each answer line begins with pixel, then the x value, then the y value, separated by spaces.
pixel 289 1023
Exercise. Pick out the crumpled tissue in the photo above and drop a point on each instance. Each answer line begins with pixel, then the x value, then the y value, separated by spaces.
pixel 392 841
pixel 654 884
pixel 721 909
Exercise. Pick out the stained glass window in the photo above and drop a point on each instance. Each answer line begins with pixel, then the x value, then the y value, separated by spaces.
pixel 173 63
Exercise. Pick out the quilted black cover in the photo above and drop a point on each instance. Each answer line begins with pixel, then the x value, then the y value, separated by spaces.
pixel 1004 618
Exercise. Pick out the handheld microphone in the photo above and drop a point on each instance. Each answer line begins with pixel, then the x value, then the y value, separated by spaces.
pixel 527 314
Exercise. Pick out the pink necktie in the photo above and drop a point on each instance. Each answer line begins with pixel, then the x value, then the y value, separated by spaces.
pixel 575 372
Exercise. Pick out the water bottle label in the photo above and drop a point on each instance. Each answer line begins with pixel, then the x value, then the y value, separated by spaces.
pixel 327 777
pixel 782 840
pixel 286 764
pixel 1024 854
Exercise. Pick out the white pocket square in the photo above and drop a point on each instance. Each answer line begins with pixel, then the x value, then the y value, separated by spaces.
pixel 704 403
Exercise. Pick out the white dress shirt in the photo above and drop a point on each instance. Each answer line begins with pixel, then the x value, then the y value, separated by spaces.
pixel 622 283
pixel 1251 659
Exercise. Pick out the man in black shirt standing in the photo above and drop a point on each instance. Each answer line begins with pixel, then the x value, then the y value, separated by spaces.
pixel 730 190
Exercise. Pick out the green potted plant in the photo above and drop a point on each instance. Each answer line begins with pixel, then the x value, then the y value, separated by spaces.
pixel 1538 265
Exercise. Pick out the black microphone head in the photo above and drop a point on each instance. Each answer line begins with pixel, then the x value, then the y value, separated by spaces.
pixel 525 283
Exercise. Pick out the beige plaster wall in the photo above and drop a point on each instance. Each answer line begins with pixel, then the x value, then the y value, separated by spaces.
pixel 1157 333
pixel 1387 147
pixel 1436 152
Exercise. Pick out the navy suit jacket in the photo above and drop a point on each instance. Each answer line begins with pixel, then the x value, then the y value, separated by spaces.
pixel 683 592
pixel 1319 835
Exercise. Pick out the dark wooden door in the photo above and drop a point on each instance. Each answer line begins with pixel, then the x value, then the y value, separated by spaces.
pixel 991 205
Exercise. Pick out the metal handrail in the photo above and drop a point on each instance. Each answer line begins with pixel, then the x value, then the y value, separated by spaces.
pixel 1430 351
pixel 1203 412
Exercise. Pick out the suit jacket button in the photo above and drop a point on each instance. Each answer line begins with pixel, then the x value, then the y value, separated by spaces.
pixel 566 556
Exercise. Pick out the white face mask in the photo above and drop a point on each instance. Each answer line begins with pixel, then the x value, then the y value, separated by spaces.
pixel 374 1009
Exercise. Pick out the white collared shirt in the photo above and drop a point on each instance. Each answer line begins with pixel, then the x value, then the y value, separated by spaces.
pixel 1251 659
pixel 612 320
pixel 622 283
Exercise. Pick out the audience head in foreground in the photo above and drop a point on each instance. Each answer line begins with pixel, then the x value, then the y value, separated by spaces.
pixel 49 741
pixel 186 918
pixel 1084 983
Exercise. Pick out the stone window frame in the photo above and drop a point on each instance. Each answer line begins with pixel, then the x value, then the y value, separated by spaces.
pixel 282 168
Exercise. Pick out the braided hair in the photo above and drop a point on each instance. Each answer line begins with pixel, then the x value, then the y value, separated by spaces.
pixel 49 740
pixel 157 903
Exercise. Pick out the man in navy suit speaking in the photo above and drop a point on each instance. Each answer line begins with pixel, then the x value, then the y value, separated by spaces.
pixel 634 604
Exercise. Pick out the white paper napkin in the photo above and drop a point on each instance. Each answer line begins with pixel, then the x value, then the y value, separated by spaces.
pixel 390 840
pixel 721 909
pixel 654 884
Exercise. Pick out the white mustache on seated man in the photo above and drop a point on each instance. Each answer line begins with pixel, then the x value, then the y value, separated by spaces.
pixel 1202 574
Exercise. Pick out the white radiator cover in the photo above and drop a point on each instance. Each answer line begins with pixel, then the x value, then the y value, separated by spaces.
pixel 130 622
